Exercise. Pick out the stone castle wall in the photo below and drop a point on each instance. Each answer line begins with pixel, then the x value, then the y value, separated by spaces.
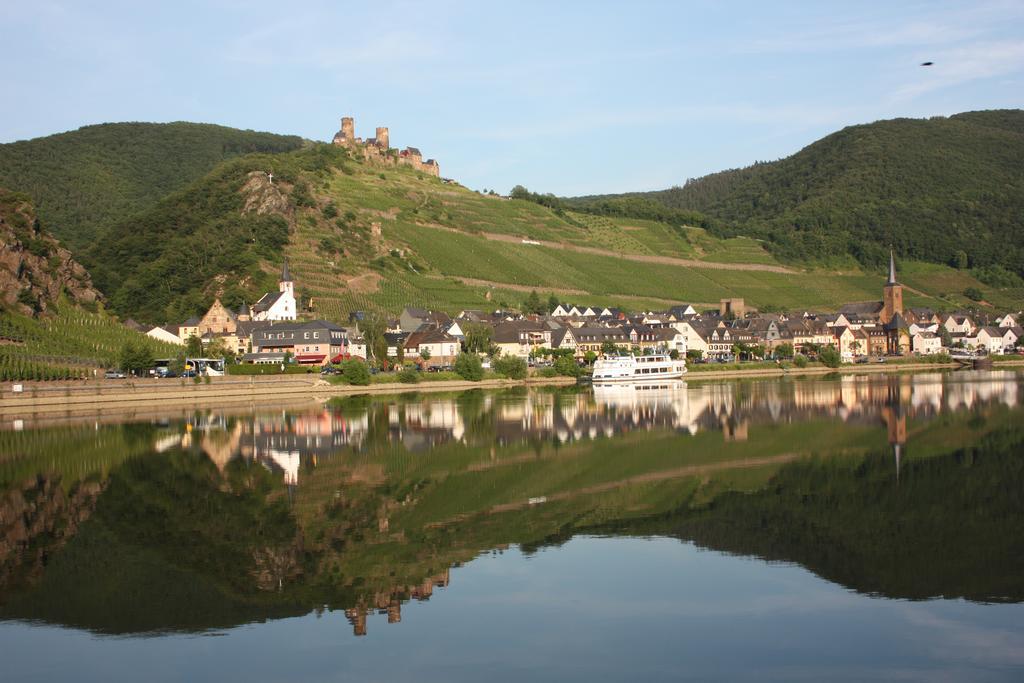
pixel 379 149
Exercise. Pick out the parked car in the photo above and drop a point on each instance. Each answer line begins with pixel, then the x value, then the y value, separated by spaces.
pixel 114 374
pixel 330 370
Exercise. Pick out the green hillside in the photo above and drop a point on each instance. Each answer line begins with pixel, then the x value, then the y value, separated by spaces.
pixel 361 236
pixel 931 187
pixel 85 180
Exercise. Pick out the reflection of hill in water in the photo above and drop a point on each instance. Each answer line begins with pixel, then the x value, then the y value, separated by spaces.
pixel 368 504
pixel 948 527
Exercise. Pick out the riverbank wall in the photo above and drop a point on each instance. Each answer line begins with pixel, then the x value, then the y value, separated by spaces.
pixel 34 398
pixel 67 398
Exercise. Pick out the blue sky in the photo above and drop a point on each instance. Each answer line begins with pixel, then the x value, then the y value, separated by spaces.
pixel 571 98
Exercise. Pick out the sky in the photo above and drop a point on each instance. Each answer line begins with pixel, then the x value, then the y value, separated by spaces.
pixel 569 97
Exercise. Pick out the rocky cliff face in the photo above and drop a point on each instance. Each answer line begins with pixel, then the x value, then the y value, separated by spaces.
pixel 263 197
pixel 34 268
pixel 37 519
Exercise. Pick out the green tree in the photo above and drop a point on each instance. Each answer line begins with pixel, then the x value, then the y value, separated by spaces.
pixel 408 376
pixel 135 358
pixel 946 337
pixel 218 349
pixel 194 347
pixel 355 372
pixel 566 365
pixel 974 294
pixel 478 337
pixel 830 357
pixel 553 303
pixel 512 367
pixel 784 350
pixel 590 357
pixel 469 367
pixel 177 364
pixel 609 348
pixel 425 354
pixel 960 260
pixel 373 326
pixel 532 304
pixel 694 354
pixel 800 360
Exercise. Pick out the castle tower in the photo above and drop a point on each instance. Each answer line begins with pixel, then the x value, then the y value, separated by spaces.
pixel 892 295
pixel 286 283
pixel 347 135
pixel 382 137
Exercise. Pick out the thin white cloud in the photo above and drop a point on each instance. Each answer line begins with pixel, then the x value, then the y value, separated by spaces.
pixel 960 639
pixel 938 27
pixel 582 122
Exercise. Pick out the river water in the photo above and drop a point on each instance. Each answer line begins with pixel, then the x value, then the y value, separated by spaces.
pixel 846 528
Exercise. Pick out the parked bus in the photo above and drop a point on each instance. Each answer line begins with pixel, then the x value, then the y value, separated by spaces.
pixel 211 367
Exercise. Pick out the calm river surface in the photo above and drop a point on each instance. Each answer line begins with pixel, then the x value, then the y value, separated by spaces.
pixel 853 528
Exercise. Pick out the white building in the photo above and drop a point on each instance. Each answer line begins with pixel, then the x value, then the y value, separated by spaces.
pixel 165 335
pixel 926 343
pixel 278 305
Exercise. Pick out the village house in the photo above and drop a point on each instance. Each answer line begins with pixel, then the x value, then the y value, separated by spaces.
pixel 1008 320
pixel 991 339
pixel 521 337
pixel 593 338
pixel 412 319
pixel 395 341
pixel 682 312
pixel 958 324
pixel 926 343
pixel 316 342
pixel 670 339
pixel 189 328
pixel 434 347
pixel 563 337
pixel 218 320
pixel 847 342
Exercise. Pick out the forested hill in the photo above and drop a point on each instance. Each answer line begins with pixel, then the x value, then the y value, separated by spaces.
pixel 931 187
pixel 89 179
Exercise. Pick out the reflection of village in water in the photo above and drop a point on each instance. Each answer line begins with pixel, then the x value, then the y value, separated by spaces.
pixel 291 442
pixel 287 442
pixel 389 493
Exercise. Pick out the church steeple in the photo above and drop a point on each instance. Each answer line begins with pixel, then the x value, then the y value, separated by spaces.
pixel 892 295
pixel 287 286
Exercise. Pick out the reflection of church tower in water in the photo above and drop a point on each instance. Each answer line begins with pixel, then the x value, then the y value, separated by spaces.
pixel 895 418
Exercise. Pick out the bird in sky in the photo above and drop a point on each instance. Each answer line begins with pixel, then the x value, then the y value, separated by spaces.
pixel 927 63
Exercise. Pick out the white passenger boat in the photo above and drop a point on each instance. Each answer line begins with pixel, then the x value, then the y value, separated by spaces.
pixel 638 368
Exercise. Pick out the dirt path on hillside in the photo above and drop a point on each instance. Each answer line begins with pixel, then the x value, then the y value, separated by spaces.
pixel 564 291
pixel 642 258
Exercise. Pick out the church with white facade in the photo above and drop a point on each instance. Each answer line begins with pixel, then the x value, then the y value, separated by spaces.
pixel 278 305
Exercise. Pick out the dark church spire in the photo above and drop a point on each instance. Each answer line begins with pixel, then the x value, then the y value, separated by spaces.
pixel 892 269
pixel 285 275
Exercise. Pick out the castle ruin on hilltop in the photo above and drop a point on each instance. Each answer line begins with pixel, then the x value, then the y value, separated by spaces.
pixel 377 148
